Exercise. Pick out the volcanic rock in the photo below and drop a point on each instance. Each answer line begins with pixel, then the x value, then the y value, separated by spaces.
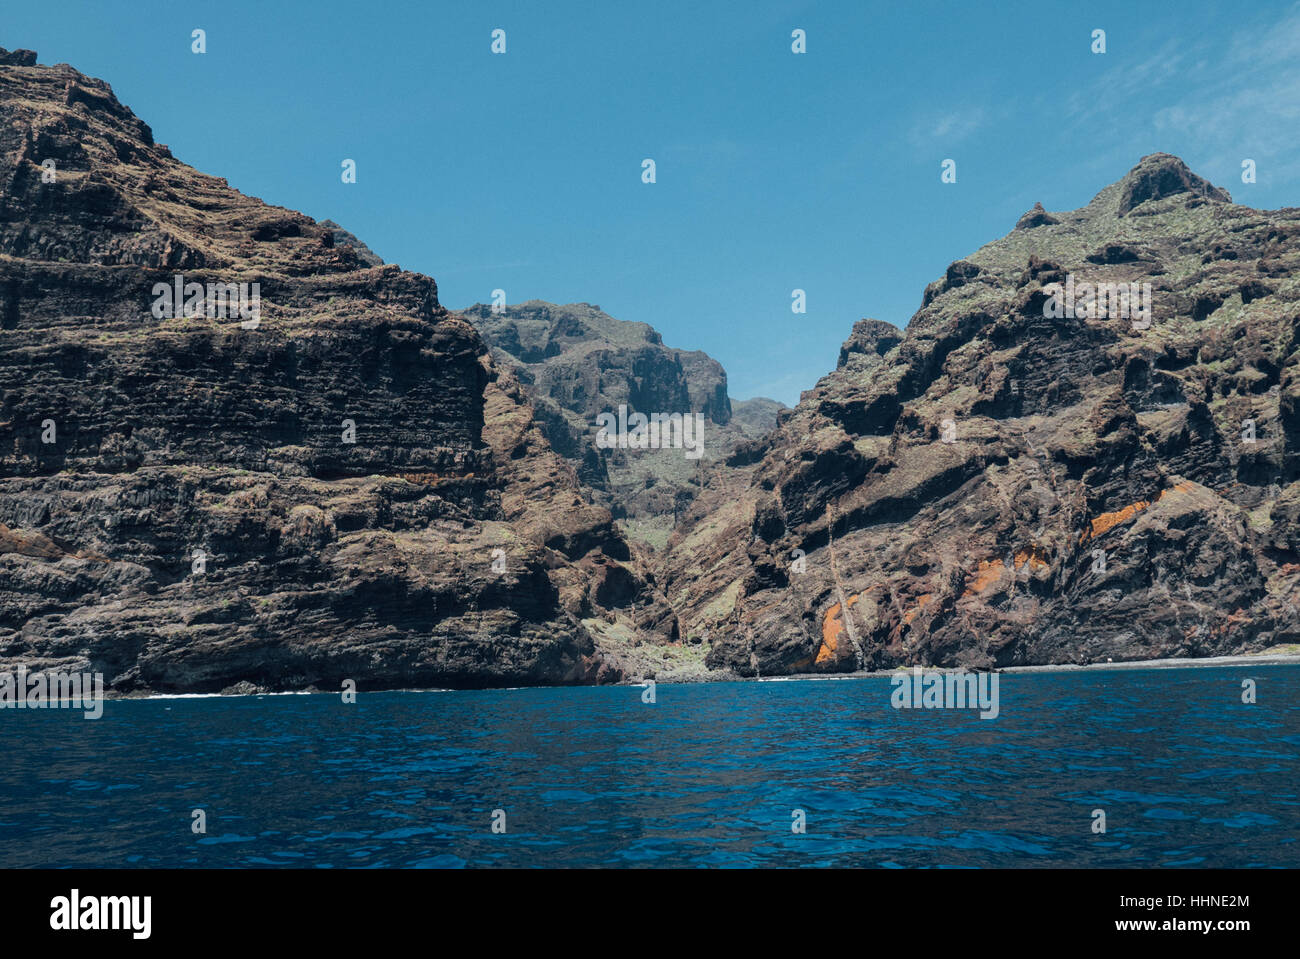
pixel 1006 485
pixel 1036 217
pixel 577 362
pixel 343 487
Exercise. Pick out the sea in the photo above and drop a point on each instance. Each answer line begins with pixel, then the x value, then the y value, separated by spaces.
pixel 1146 767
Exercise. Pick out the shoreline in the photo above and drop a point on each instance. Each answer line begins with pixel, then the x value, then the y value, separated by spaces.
pixel 1240 659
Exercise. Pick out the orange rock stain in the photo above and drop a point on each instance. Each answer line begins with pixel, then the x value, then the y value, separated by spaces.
pixel 1033 557
pixel 832 626
pixel 1108 521
pixel 988 572
pixel 920 605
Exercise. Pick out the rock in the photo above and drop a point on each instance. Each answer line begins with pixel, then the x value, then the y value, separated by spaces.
pixel 341 238
pixel 869 337
pixel 17 58
pixel 351 489
pixel 1036 217
pixel 1115 253
pixel 1161 175
pixel 1002 486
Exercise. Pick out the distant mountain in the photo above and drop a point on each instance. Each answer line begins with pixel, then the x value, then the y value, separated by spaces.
pixel 577 362
pixel 756 417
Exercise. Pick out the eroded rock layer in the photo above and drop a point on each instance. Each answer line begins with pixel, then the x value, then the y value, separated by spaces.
pixel 345 487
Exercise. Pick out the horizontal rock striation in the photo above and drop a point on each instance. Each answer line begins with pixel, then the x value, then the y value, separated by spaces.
pixel 341 486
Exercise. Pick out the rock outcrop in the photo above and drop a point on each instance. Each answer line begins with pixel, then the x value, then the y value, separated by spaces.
pixel 334 483
pixel 1019 479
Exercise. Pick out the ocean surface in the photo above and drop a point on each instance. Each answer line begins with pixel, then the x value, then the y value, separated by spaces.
pixel 709 775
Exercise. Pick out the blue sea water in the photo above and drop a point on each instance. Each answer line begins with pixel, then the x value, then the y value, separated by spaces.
pixel 709 775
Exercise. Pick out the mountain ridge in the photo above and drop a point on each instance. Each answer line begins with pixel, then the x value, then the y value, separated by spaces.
pixel 1069 434
pixel 338 485
pixel 578 362
pixel 354 482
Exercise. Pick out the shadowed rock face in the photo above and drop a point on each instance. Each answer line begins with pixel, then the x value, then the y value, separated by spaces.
pixel 180 505
pixel 1000 486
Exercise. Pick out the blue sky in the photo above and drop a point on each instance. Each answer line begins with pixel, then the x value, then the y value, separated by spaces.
pixel 775 171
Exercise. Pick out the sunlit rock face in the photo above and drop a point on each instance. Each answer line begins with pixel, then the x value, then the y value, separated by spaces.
pixel 1038 470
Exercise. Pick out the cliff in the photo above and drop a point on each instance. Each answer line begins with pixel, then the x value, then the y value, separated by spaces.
pixel 336 482
pixel 1019 478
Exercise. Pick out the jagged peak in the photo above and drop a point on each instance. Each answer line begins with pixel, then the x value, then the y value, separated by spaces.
pixel 17 58
pixel 1160 175
pixel 870 337
pixel 1036 217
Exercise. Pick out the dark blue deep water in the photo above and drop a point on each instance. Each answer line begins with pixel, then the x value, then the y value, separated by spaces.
pixel 1187 774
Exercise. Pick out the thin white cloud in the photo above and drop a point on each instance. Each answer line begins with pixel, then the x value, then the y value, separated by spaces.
pixel 949 127
pixel 1247 102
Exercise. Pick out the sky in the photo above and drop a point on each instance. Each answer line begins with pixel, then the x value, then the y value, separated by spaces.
pixel 775 171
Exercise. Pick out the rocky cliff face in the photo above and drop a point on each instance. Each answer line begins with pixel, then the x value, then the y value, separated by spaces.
pixel 1032 473
pixel 577 362
pixel 338 483
pixel 1085 446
